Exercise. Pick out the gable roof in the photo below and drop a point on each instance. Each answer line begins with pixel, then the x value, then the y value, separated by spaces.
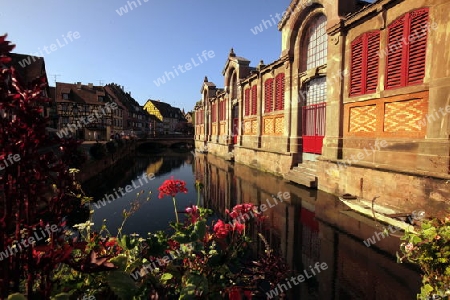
pixel 166 110
pixel 233 58
pixel 80 93
pixel 28 67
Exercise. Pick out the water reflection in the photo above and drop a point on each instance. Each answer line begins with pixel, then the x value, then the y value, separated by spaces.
pixel 308 228
pixel 313 227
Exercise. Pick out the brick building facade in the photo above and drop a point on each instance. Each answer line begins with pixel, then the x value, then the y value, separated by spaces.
pixel 357 102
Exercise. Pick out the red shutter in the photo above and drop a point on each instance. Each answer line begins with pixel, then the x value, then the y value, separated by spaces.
pixel 222 109
pixel 254 99
pixel 373 46
pixel 394 64
pixel 247 102
pixel 356 65
pixel 279 92
pixel 268 95
pixel 417 46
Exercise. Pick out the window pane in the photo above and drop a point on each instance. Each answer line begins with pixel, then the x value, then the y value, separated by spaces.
pixel 316 43
pixel 316 91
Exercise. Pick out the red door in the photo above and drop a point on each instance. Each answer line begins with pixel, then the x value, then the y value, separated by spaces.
pixel 313 127
pixel 235 130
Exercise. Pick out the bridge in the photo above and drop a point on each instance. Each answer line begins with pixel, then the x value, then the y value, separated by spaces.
pixel 173 141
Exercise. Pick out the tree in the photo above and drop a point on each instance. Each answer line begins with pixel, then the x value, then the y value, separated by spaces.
pixel 35 186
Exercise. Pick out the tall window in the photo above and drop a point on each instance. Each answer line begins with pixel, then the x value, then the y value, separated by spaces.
pixel 406 52
pixel 247 102
pixel 234 86
pixel 364 63
pixel 314 54
pixel 214 112
pixel 315 44
pixel 254 100
pixel 222 110
pixel 279 92
pixel 268 95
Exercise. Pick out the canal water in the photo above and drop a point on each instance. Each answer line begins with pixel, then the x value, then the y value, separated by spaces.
pixel 309 227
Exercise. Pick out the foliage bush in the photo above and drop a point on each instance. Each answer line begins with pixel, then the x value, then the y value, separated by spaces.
pixel 35 191
pixel 430 249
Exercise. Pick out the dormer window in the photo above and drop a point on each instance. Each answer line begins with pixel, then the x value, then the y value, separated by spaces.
pixel 100 99
pixel 65 96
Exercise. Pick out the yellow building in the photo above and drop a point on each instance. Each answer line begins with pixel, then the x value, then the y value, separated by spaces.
pixel 169 116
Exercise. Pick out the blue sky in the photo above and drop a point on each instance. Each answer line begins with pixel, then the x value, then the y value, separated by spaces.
pixel 137 48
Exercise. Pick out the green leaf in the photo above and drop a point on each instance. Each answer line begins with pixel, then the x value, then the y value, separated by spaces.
pixel 200 228
pixel 427 289
pixel 166 277
pixel 181 238
pixel 121 284
pixel 416 239
pixel 120 261
pixel 126 243
pixel 17 296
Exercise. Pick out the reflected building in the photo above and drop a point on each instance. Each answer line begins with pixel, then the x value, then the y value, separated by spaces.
pixel 310 227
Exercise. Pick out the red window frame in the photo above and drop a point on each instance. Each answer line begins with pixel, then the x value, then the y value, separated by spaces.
pixel 279 92
pixel 254 100
pixel 268 95
pixel 405 62
pixel 247 102
pixel 364 63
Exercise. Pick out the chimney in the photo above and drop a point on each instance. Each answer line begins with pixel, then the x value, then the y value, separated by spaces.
pixel 79 85
pixel 90 85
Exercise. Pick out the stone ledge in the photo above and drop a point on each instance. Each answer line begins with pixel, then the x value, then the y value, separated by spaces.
pixel 386 168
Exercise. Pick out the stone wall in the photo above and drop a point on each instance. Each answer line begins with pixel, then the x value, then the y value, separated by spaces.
pixel 263 160
pixel 405 192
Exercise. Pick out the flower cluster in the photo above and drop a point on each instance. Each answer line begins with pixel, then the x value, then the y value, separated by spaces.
pixel 171 187
pixel 193 213
pixel 239 213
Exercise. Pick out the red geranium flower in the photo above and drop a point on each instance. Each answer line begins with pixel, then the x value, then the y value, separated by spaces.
pixel 171 187
pixel 244 212
pixel 193 213
pixel 221 229
pixel 238 226
pixel 173 245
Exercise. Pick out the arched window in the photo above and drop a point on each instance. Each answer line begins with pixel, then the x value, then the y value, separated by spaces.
pixel 314 54
pixel 315 44
pixel 234 86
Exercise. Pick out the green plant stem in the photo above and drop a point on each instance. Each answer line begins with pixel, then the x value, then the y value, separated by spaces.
pixel 175 208
pixel 198 197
